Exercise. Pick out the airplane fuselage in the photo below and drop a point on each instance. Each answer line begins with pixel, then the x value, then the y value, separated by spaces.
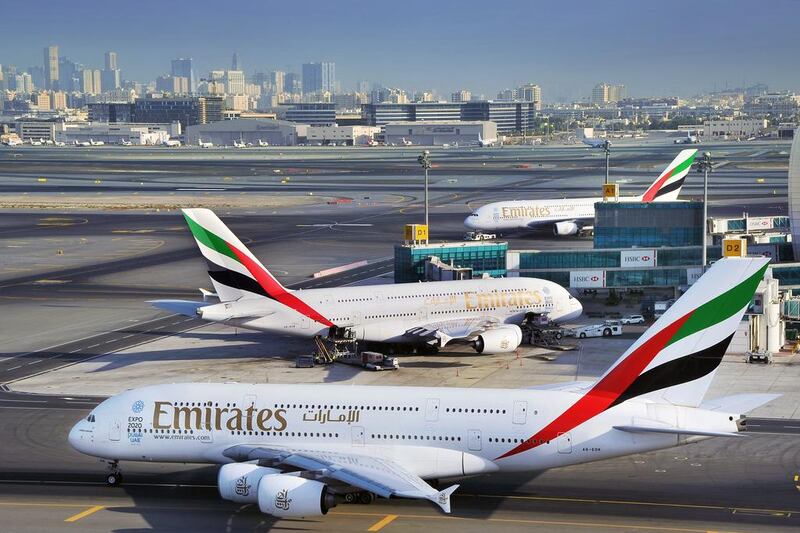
pixel 385 313
pixel 527 214
pixel 433 432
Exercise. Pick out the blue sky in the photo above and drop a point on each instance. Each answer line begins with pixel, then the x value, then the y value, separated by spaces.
pixel 655 48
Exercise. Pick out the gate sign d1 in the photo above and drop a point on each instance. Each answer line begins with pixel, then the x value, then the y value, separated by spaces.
pixel 734 248
pixel 587 279
pixel 645 258
pixel 415 233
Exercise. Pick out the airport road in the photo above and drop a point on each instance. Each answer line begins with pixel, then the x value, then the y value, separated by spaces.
pixel 24 365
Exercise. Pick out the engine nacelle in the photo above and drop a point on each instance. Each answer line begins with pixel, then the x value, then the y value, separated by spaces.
pixel 293 497
pixel 238 482
pixel 499 340
pixel 565 228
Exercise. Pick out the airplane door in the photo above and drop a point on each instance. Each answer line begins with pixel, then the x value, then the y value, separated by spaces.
pixel 564 443
pixel 474 439
pixel 432 410
pixel 520 412
pixel 357 436
pixel 115 429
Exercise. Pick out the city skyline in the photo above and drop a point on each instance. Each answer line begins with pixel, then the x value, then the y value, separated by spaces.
pixel 687 49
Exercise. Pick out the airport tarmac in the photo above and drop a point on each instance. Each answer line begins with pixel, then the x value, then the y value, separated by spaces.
pixel 90 300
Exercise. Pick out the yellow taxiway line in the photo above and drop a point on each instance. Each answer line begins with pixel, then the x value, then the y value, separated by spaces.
pixel 83 514
pixel 383 522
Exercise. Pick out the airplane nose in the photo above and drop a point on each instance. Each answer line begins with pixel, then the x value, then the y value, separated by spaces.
pixel 576 310
pixel 80 437
pixel 468 222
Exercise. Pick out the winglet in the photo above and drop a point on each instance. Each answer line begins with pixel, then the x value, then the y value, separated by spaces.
pixel 442 498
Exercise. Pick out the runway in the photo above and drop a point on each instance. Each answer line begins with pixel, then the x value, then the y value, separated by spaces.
pixel 91 300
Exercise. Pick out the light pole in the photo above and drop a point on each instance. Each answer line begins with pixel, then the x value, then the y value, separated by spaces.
pixel 607 150
pixel 705 166
pixel 425 161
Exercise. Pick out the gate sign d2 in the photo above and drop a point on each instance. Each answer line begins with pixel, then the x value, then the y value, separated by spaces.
pixel 734 248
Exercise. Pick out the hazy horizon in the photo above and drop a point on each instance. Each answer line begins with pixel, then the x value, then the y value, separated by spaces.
pixel 677 48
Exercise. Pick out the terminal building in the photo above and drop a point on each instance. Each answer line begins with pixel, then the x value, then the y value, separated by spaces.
pixel 510 117
pixel 439 132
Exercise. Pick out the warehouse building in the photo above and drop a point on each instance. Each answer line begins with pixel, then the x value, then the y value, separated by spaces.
pixel 440 132
pixel 118 133
pixel 247 131
pixel 341 135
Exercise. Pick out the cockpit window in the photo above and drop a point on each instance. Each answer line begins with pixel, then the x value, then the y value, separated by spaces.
pixel 473 214
pixel 90 418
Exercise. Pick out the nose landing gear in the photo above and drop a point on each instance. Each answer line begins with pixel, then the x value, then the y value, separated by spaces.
pixel 114 476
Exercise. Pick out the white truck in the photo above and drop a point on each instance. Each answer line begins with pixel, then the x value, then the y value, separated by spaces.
pixel 478 236
pixel 607 329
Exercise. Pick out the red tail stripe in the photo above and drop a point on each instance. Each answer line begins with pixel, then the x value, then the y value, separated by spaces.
pixel 651 193
pixel 605 391
pixel 276 290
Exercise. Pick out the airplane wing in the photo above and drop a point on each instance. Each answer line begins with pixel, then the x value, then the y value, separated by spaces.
pixel 452 329
pixel 700 432
pixel 380 476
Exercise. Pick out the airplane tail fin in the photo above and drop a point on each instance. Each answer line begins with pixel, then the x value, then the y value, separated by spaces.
pixel 235 272
pixel 675 360
pixel 667 186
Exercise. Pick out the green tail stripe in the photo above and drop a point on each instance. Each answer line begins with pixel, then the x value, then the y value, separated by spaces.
pixel 720 308
pixel 209 239
pixel 686 164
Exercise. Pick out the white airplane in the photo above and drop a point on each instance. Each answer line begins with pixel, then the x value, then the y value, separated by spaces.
pixel 92 142
pixel 59 143
pixel 241 144
pixel 297 450
pixel 595 142
pixel 485 143
pixel 689 139
pixel 404 142
pixel 125 142
pixel 483 313
pixel 263 144
pixel 201 144
pixel 172 143
pixel 35 142
pixel 568 215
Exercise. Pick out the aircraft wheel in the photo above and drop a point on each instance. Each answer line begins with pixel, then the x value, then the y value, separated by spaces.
pixel 366 498
pixel 582 335
pixel 350 497
pixel 113 479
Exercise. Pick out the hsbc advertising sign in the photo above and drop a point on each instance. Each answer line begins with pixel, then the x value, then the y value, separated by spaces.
pixel 587 279
pixel 637 258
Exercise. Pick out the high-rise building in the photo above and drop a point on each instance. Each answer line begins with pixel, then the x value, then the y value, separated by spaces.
pixel 42 99
pixel 177 85
pixel 277 79
pixel 319 77
pixel 603 93
pixel 111 60
pixel 23 83
pixel 111 74
pixel 234 82
pixel 236 63
pixel 59 100
pixel 292 83
pixel 531 93
pixel 87 81
pixel 183 67
pixel 461 96
pixel 97 81
pixel 51 67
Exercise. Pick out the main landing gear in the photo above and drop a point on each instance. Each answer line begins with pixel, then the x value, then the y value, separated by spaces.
pixel 364 497
pixel 114 476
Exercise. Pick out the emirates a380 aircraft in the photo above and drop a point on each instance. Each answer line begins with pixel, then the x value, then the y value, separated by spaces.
pixel 568 216
pixel 481 312
pixel 296 450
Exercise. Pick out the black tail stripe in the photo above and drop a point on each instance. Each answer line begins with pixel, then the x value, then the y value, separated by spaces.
pixel 676 372
pixel 234 279
pixel 675 185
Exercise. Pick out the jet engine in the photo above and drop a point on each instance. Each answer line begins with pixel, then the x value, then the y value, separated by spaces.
pixel 503 339
pixel 293 497
pixel 561 229
pixel 238 482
